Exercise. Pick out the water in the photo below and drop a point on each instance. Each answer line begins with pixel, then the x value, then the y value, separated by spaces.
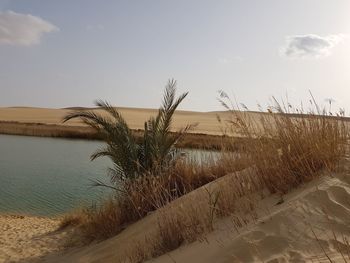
pixel 49 176
pixel 46 176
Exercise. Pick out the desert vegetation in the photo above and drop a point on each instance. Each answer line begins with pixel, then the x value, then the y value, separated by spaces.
pixel 288 147
pixel 192 140
pixel 155 153
pixel 283 149
pixel 146 175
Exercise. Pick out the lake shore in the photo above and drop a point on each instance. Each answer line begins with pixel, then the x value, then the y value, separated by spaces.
pixel 48 123
pixel 191 140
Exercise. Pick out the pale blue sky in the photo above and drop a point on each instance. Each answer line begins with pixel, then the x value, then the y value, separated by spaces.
pixel 70 52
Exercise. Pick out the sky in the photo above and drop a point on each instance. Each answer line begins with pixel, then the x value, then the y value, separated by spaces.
pixel 71 52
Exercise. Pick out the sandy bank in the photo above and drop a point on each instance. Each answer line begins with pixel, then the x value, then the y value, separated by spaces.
pixel 23 238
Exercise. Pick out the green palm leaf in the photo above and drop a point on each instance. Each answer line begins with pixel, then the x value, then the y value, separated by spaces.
pixel 130 159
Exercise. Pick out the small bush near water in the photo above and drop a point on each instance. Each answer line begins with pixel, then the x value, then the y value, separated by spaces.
pixel 147 173
pixel 147 194
pixel 133 157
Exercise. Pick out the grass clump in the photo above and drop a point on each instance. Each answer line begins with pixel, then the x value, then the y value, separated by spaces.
pixel 144 195
pixel 191 217
pixel 289 146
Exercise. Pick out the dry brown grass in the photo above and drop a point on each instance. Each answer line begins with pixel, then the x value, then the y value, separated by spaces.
pixel 290 147
pixel 147 194
pixel 191 217
pixel 177 225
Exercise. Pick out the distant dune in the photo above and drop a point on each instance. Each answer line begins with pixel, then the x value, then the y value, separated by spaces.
pixel 207 121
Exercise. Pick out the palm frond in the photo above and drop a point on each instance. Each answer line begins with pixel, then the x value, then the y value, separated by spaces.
pixel 130 159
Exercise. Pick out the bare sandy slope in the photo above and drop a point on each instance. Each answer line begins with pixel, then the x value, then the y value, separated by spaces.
pixel 312 222
pixel 24 237
pixel 207 121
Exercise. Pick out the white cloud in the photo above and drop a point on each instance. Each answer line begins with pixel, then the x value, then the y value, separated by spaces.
pixel 22 29
pixel 310 46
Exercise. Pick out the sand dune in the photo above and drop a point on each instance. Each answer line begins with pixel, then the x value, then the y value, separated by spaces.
pixel 135 117
pixel 207 121
pixel 296 231
pixel 310 225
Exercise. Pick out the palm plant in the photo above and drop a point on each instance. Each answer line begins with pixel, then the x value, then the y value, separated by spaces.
pixel 130 158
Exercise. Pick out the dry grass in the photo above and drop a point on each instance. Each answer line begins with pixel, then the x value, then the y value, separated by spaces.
pixel 177 225
pixel 191 217
pixel 47 130
pixel 147 194
pixel 290 147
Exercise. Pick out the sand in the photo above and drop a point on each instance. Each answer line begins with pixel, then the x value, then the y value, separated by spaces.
pixel 310 225
pixel 207 121
pixel 299 230
pixel 23 237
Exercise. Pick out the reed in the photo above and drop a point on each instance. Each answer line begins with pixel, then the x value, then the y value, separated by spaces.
pixel 289 146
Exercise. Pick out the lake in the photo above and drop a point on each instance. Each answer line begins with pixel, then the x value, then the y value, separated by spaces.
pixel 51 176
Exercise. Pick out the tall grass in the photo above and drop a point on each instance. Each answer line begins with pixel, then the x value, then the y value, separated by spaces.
pixel 289 146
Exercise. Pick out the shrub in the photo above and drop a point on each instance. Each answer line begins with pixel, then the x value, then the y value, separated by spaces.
pixel 132 157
